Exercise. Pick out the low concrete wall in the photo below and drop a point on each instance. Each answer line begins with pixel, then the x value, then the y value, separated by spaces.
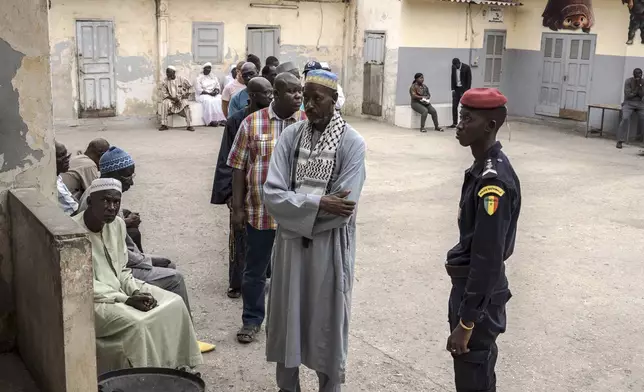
pixel 53 294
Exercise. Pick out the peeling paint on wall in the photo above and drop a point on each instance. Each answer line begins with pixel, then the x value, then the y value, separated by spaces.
pixel 63 56
pixel 301 54
pixel 134 68
pixel 12 129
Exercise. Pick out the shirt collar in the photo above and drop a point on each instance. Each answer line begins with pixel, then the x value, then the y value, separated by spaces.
pixel 272 115
pixel 478 165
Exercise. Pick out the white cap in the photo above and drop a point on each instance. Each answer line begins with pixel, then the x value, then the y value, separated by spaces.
pixel 208 64
pixel 171 67
pixel 105 184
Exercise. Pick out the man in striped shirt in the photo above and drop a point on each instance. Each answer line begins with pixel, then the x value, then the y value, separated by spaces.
pixel 249 157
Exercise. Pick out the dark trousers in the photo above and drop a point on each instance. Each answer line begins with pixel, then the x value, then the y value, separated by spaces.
pixel 628 108
pixel 288 380
pixel 236 256
pixel 634 24
pixel 474 371
pixel 135 234
pixel 456 99
pixel 425 109
pixel 259 245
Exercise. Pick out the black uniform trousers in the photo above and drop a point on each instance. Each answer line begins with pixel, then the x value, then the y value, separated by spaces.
pixel 474 371
pixel 456 99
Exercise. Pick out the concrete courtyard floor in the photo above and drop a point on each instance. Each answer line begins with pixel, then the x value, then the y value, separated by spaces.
pixel 574 323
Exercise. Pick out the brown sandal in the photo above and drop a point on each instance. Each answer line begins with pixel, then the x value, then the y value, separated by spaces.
pixel 247 333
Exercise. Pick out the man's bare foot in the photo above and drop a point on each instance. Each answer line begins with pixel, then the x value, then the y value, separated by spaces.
pixel 191 129
pixel 163 128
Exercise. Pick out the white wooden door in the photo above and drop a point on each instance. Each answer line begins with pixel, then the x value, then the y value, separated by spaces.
pixel 97 87
pixel 494 49
pixel 263 42
pixel 552 46
pixel 580 51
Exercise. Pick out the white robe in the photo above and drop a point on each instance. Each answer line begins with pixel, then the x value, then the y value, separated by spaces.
pixel 126 337
pixel 212 110
pixel 310 294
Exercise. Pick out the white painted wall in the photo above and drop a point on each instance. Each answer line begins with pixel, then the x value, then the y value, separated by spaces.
pixel 313 31
pixel 441 24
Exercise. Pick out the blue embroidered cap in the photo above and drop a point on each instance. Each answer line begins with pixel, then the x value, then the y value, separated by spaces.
pixel 115 159
pixel 324 78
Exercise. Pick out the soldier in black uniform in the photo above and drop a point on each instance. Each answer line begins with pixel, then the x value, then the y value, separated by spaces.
pixel 487 222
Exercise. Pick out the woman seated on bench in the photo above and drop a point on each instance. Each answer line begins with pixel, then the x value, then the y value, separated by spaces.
pixel 420 102
pixel 208 93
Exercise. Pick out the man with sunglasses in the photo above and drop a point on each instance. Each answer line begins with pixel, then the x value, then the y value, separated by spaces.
pixel 240 100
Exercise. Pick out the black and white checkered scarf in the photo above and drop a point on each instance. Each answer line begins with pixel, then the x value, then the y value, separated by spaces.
pixel 315 164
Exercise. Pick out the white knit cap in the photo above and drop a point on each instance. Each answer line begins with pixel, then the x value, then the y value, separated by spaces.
pixel 171 67
pixel 208 64
pixel 105 184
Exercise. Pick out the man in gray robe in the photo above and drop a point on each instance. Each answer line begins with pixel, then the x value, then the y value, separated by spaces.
pixel 312 189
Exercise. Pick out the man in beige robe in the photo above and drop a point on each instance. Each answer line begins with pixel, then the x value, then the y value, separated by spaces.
pixel 137 325
pixel 175 91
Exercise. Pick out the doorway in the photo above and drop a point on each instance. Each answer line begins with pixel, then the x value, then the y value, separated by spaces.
pixel 494 50
pixel 263 41
pixel 373 74
pixel 565 75
pixel 96 81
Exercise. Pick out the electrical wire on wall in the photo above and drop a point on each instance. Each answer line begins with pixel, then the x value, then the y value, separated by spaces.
pixel 321 26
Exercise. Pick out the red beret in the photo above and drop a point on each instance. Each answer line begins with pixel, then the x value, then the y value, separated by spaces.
pixel 483 98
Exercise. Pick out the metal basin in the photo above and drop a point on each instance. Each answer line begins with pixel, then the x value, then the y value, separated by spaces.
pixel 150 380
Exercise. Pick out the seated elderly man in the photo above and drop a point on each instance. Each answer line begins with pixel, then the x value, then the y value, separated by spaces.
pixel 175 91
pixel 83 167
pixel 156 270
pixel 137 325
pixel 208 93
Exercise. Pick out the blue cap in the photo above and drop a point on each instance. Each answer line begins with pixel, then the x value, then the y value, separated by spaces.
pixel 324 78
pixel 115 159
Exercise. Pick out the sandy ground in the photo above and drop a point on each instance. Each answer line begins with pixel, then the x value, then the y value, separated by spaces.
pixel 575 318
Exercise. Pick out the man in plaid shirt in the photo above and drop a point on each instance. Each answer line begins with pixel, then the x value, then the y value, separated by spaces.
pixel 249 157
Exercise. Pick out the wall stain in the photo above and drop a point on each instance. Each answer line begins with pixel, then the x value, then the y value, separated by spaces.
pixel 133 68
pixel 135 107
pixel 62 57
pixel 13 130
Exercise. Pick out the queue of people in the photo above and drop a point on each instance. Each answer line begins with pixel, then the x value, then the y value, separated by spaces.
pixel 291 179
pixel 142 307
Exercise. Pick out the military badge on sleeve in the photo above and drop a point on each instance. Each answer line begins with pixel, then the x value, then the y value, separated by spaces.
pixel 491 203
pixel 491 195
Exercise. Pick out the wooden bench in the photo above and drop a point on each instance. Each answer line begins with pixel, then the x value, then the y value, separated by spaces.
pixel 603 108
